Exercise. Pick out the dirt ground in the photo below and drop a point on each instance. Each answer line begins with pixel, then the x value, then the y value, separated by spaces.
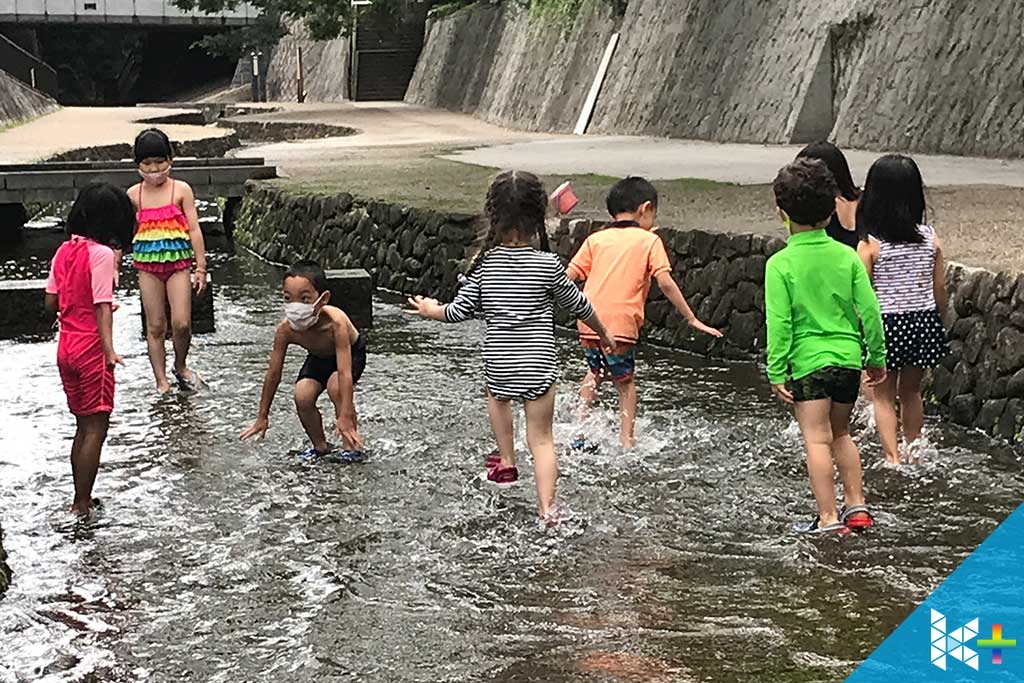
pixel 980 225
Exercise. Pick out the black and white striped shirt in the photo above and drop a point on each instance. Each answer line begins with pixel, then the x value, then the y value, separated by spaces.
pixel 903 274
pixel 515 289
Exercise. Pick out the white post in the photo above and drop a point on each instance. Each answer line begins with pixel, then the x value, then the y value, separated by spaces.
pixel 595 88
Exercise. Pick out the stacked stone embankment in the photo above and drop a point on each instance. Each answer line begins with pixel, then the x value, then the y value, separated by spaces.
pixel 19 102
pixel 414 251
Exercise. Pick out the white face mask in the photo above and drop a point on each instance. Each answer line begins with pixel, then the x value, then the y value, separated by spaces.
pixel 156 179
pixel 301 316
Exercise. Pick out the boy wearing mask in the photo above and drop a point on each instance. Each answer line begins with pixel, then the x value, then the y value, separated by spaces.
pixel 335 362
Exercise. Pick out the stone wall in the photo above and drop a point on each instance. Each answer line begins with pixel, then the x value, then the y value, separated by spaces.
pixel 19 102
pixel 325 67
pixel 5 571
pixel 869 73
pixel 407 250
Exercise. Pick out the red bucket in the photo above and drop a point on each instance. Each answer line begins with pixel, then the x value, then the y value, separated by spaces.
pixel 564 199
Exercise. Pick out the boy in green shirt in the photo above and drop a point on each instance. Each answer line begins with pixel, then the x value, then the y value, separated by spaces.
pixel 818 298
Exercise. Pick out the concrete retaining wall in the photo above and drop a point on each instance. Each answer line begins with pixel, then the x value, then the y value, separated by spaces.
pixel 325 67
pixel 19 102
pixel 869 73
pixel 411 251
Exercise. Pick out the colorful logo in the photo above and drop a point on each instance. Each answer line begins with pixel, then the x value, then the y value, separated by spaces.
pixel 996 643
pixel 955 644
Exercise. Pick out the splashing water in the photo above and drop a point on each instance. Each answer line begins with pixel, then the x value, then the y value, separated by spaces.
pixel 215 560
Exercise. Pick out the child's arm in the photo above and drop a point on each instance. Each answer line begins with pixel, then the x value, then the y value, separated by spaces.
pixel 466 303
pixel 939 280
pixel 868 252
pixel 52 302
pixel 569 297
pixel 778 311
pixel 579 267
pixel 195 235
pixel 105 323
pixel 866 300
pixel 270 383
pixel 346 412
pixel 668 286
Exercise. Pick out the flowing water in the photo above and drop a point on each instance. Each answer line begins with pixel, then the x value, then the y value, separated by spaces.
pixel 215 560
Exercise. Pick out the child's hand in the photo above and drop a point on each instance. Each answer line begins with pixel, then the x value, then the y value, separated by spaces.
pixel 424 307
pixel 782 393
pixel 199 280
pixel 349 431
pixel 876 376
pixel 113 359
pixel 701 327
pixel 609 344
pixel 259 430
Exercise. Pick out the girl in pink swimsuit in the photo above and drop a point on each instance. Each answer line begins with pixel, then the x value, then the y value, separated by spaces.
pixel 167 244
pixel 81 289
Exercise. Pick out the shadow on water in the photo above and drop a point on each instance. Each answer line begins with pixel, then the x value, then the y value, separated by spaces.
pixel 215 560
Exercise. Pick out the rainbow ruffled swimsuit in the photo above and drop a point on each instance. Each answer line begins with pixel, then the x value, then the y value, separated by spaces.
pixel 162 245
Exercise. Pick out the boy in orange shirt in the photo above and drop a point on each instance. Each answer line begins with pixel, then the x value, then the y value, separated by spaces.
pixel 618 264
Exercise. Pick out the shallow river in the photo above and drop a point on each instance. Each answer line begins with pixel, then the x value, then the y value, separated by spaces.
pixel 215 560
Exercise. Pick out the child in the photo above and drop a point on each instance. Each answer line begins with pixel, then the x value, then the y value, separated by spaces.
pixel 618 264
pixel 335 362
pixel 817 296
pixel 843 225
pixel 81 289
pixel 515 286
pixel 168 242
pixel 904 259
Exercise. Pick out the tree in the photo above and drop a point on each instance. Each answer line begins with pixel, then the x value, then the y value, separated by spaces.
pixel 324 19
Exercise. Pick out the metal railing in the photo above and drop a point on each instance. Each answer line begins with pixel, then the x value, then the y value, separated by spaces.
pixel 27 68
pixel 162 12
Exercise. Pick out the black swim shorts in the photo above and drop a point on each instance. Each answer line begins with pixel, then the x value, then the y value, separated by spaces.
pixel 842 385
pixel 320 369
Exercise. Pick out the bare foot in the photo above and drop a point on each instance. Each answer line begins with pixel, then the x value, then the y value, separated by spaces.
pixel 163 387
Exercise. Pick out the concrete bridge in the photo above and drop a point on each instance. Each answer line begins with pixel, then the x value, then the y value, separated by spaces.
pixel 124 12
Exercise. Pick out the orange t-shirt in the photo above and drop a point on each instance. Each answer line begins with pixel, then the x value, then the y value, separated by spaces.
pixel 618 264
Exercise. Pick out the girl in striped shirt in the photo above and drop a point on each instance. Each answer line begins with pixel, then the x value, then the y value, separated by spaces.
pixel 903 256
pixel 514 287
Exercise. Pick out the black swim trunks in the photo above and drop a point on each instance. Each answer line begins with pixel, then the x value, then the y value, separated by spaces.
pixel 842 385
pixel 321 369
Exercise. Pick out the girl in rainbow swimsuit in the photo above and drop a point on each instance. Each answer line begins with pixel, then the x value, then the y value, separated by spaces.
pixel 167 244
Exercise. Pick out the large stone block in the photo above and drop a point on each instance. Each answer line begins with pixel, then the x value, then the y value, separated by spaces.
pixel 22 309
pixel 352 291
pixel 202 312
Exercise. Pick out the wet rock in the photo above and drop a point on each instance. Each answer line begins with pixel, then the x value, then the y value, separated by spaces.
pixel 748 296
pixel 942 383
pixel 702 246
pixel 1015 385
pixel 744 329
pixel 962 410
pixel 731 245
pixel 1009 351
pixel 977 342
pixel 989 415
pixel 963 380
pixel 421 246
pixel 1011 422
pixel 5 570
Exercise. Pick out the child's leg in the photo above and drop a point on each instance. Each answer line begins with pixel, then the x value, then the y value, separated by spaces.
pixel 627 411
pixel 307 391
pixel 885 417
pixel 500 413
pixel 588 392
pixel 539 416
pixel 334 393
pixel 92 432
pixel 846 455
pixel 911 403
pixel 179 294
pixel 154 296
pixel 816 428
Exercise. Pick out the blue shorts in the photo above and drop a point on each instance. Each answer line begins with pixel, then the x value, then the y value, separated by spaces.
pixel 619 367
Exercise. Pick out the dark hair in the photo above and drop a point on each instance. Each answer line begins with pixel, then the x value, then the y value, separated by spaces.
pixel 627 195
pixel 310 270
pixel 837 164
pixel 893 204
pixel 516 202
pixel 806 191
pixel 151 143
pixel 103 213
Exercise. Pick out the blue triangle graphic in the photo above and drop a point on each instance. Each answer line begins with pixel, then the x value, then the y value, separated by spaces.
pixel 989 586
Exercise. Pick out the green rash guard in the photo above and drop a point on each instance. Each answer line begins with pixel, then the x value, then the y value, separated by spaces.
pixel 817 296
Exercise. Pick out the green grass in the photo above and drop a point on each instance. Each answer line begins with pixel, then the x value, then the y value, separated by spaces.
pixel 440 184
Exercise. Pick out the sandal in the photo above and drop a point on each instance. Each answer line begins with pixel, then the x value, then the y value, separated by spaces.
pixel 493 459
pixel 815 528
pixel 856 517
pixel 503 476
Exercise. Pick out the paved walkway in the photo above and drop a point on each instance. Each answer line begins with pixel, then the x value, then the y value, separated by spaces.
pixel 658 158
pixel 76 127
